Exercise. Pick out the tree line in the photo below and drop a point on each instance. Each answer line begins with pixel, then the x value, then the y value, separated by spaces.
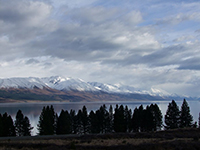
pixel 103 120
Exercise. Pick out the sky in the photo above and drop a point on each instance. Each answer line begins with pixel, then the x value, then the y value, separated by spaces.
pixel 152 45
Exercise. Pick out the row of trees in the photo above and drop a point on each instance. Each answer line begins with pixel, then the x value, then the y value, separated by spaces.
pixel 100 121
pixel 20 127
pixel 176 118
pixel 120 119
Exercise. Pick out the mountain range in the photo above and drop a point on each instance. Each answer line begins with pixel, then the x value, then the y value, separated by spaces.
pixel 58 88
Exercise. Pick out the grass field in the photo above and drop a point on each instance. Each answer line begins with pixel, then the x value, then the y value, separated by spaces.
pixel 181 139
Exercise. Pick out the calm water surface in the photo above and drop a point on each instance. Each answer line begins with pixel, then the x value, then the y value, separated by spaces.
pixel 33 110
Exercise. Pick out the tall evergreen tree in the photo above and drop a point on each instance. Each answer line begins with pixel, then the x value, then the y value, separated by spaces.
pixel 119 119
pixel 47 121
pixel 63 123
pixel 185 116
pixel 199 120
pixel 74 121
pixel 1 125
pixel 141 118
pixel 103 117
pixel 19 123
pixel 27 127
pixel 172 117
pixel 8 125
pixel 127 117
pixel 110 120
pixel 148 120
pixel 135 120
pixel 157 117
pixel 94 126
pixel 84 120
pixel 22 125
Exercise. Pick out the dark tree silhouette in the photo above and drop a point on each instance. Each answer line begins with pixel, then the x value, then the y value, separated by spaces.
pixel 8 125
pixel 172 117
pixel 74 121
pixel 19 123
pixel 94 126
pixel 22 125
pixel 185 116
pixel 127 117
pixel 135 120
pixel 47 121
pixel 119 119
pixel 83 121
pixel 157 117
pixel 63 123
pixel 110 120
pixel 1 125
pixel 27 126
pixel 148 120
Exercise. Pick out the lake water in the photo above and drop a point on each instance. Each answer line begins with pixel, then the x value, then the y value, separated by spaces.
pixel 33 110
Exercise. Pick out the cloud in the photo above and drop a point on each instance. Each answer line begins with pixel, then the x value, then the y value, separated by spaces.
pixel 25 22
pixel 145 44
pixel 179 18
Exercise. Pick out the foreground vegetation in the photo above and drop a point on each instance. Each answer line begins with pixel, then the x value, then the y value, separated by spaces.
pixel 176 139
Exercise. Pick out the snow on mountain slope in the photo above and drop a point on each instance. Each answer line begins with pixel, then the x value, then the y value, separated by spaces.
pixel 30 83
pixel 68 84
pixel 62 83
pixel 112 88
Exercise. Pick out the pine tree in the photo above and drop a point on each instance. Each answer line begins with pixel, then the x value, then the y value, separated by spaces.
pixel 157 117
pixel 1 125
pixel 47 121
pixel 63 123
pixel 185 116
pixel 84 120
pixel 199 120
pixel 27 126
pixel 74 121
pixel 8 125
pixel 141 118
pixel 103 117
pixel 110 120
pixel 22 125
pixel 148 120
pixel 172 117
pixel 93 123
pixel 19 123
pixel 135 120
pixel 119 119
pixel 127 117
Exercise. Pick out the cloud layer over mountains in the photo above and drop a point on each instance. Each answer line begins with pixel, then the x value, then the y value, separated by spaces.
pixel 146 44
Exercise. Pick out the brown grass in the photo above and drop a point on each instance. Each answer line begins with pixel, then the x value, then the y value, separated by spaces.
pixel 182 139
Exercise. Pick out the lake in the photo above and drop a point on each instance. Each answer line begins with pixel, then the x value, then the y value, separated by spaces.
pixel 33 110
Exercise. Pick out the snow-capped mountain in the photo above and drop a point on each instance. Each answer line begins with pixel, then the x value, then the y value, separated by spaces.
pixel 73 84
pixel 29 83
pixel 58 88
pixel 68 84
pixel 62 83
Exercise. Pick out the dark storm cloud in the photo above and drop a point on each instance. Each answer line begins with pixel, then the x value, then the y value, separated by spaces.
pixel 190 64
pixel 161 57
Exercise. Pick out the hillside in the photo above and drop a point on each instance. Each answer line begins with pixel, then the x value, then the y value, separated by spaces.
pixel 71 90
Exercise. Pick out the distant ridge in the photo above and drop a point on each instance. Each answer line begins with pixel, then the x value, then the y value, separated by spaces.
pixel 68 84
pixel 58 88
